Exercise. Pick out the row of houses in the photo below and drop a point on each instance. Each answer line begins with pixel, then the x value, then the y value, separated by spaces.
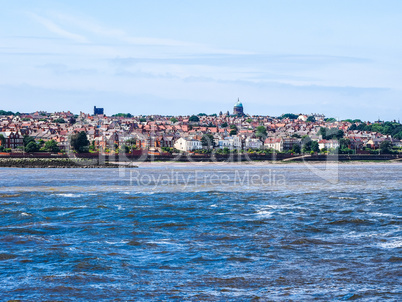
pixel 157 132
pixel 237 143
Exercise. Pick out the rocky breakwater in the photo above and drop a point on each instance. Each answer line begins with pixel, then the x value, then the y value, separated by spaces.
pixel 57 163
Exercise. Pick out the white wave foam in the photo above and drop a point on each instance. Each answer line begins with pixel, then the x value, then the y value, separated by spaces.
pixel 71 195
pixel 391 244
pixel 264 213
pixel 385 215
pixel 342 197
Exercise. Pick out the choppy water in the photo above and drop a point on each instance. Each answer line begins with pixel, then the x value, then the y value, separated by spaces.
pixel 267 233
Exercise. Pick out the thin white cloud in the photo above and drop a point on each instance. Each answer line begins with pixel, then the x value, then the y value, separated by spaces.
pixel 51 26
pixel 120 35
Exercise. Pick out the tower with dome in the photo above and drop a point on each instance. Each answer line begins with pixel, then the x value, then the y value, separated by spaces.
pixel 238 108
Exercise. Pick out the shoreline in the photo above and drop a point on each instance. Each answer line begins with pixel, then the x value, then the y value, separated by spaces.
pixel 264 163
pixel 63 163
pixel 60 163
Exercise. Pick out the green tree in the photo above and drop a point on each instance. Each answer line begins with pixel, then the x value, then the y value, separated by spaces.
pixel 307 147
pixel 344 143
pixel 233 132
pixel 323 132
pixel 27 139
pixel 92 146
pixel 194 118
pixel 362 127
pixel 352 127
pixel 306 143
pixel 343 148
pixel 208 141
pixel 314 146
pixel 331 133
pixel 32 147
pixel 174 120
pixel 261 132
pixel 339 134
pixel 296 148
pixel 249 120
pixel 385 147
pixel 51 146
pixel 290 116
pixel 311 119
pixel 80 142
pixel 2 112
pixel 224 125
pixel 125 115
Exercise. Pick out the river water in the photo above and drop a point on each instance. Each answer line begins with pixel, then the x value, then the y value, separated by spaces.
pixel 202 233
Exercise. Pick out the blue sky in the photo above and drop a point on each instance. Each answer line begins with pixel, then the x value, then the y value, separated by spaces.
pixel 340 58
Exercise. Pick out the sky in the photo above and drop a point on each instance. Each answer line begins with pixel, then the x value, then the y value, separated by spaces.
pixel 341 58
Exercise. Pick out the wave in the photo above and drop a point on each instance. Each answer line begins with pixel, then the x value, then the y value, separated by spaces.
pixel 391 245
pixel 26 214
pixel 71 195
pixel 342 197
pixel 351 221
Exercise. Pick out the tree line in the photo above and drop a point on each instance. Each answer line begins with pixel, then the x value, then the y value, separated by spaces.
pixel 388 128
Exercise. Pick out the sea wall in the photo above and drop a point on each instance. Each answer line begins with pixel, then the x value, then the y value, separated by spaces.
pixel 101 160
pixel 54 163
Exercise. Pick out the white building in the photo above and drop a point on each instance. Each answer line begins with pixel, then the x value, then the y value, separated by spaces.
pixel 187 144
pixel 396 143
pixel 302 117
pixel 274 143
pixel 231 142
pixel 253 143
pixel 328 144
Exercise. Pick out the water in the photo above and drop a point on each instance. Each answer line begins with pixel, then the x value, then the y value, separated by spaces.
pixel 79 234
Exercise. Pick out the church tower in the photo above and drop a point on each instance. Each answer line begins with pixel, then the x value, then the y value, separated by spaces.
pixel 238 108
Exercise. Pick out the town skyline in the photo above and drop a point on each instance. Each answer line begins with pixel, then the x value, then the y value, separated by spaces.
pixel 226 131
pixel 106 112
